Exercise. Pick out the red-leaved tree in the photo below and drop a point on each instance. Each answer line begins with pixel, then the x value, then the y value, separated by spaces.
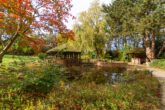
pixel 22 18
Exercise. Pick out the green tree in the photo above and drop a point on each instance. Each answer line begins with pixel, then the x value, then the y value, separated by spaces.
pixel 136 17
pixel 89 30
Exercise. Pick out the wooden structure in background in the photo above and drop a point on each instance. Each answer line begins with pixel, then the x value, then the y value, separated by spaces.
pixel 66 55
pixel 138 56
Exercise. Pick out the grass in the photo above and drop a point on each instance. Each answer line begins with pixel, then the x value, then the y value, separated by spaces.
pixel 158 63
pixel 12 61
pixel 12 58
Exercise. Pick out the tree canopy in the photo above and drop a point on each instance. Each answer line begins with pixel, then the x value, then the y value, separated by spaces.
pixel 89 30
pixel 26 17
pixel 136 17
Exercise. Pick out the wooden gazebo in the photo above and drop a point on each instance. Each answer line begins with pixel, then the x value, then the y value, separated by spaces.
pixel 138 56
pixel 66 54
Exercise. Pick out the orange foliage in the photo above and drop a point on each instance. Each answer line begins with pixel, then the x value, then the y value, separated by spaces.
pixel 1 20
pixel 2 15
pixel 35 15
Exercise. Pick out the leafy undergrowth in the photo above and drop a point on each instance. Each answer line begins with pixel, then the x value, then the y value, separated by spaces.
pixel 47 88
pixel 158 63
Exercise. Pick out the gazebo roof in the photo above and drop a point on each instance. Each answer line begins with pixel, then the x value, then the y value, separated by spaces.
pixel 63 48
pixel 137 51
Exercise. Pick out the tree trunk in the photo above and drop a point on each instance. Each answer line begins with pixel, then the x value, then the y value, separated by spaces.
pixel 148 46
pixel 11 41
pixel 124 41
pixel 161 50
pixel 143 39
pixel 4 50
pixel 163 47
pixel 153 46
pixel 97 50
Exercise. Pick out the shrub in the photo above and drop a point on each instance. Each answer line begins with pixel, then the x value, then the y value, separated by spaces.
pixel 108 57
pixel 115 55
pixel 43 79
pixel 42 56
pixel 158 63
pixel 125 50
pixel 163 56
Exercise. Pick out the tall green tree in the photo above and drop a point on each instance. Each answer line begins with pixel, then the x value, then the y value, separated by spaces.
pixel 151 19
pixel 89 30
pixel 118 19
pixel 136 17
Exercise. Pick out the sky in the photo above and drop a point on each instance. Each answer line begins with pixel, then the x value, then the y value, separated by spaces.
pixel 79 6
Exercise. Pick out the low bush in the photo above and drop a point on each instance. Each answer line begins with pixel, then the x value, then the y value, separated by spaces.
pixel 43 79
pixel 116 55
pixel 42 56
pixel 162 56
pixel 158 63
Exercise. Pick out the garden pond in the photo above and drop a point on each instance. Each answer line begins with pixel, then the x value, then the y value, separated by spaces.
pixel 96 74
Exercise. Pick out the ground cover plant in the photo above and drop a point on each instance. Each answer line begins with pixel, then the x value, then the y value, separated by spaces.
pixel 47 88
pixel 158 63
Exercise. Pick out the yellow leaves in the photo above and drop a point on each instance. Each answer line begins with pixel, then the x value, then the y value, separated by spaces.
pixel 1 69
pixel 62 84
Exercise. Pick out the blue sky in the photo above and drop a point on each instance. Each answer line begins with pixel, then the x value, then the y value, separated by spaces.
pixel 79 6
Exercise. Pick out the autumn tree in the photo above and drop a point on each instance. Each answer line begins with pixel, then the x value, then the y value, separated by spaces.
pixel 22 18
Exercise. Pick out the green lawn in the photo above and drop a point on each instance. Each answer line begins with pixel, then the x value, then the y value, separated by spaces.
pixel 158 63
pixel 12 58
pixel 13 61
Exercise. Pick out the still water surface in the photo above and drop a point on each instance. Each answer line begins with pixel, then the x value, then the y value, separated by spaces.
pixel 99 75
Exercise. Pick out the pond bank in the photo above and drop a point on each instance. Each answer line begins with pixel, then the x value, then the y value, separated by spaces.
pixel 160 74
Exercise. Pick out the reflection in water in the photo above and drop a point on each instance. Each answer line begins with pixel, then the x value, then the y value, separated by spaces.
pixel 98 75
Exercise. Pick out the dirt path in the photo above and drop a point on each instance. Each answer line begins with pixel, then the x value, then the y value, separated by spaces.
pixel 160 74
